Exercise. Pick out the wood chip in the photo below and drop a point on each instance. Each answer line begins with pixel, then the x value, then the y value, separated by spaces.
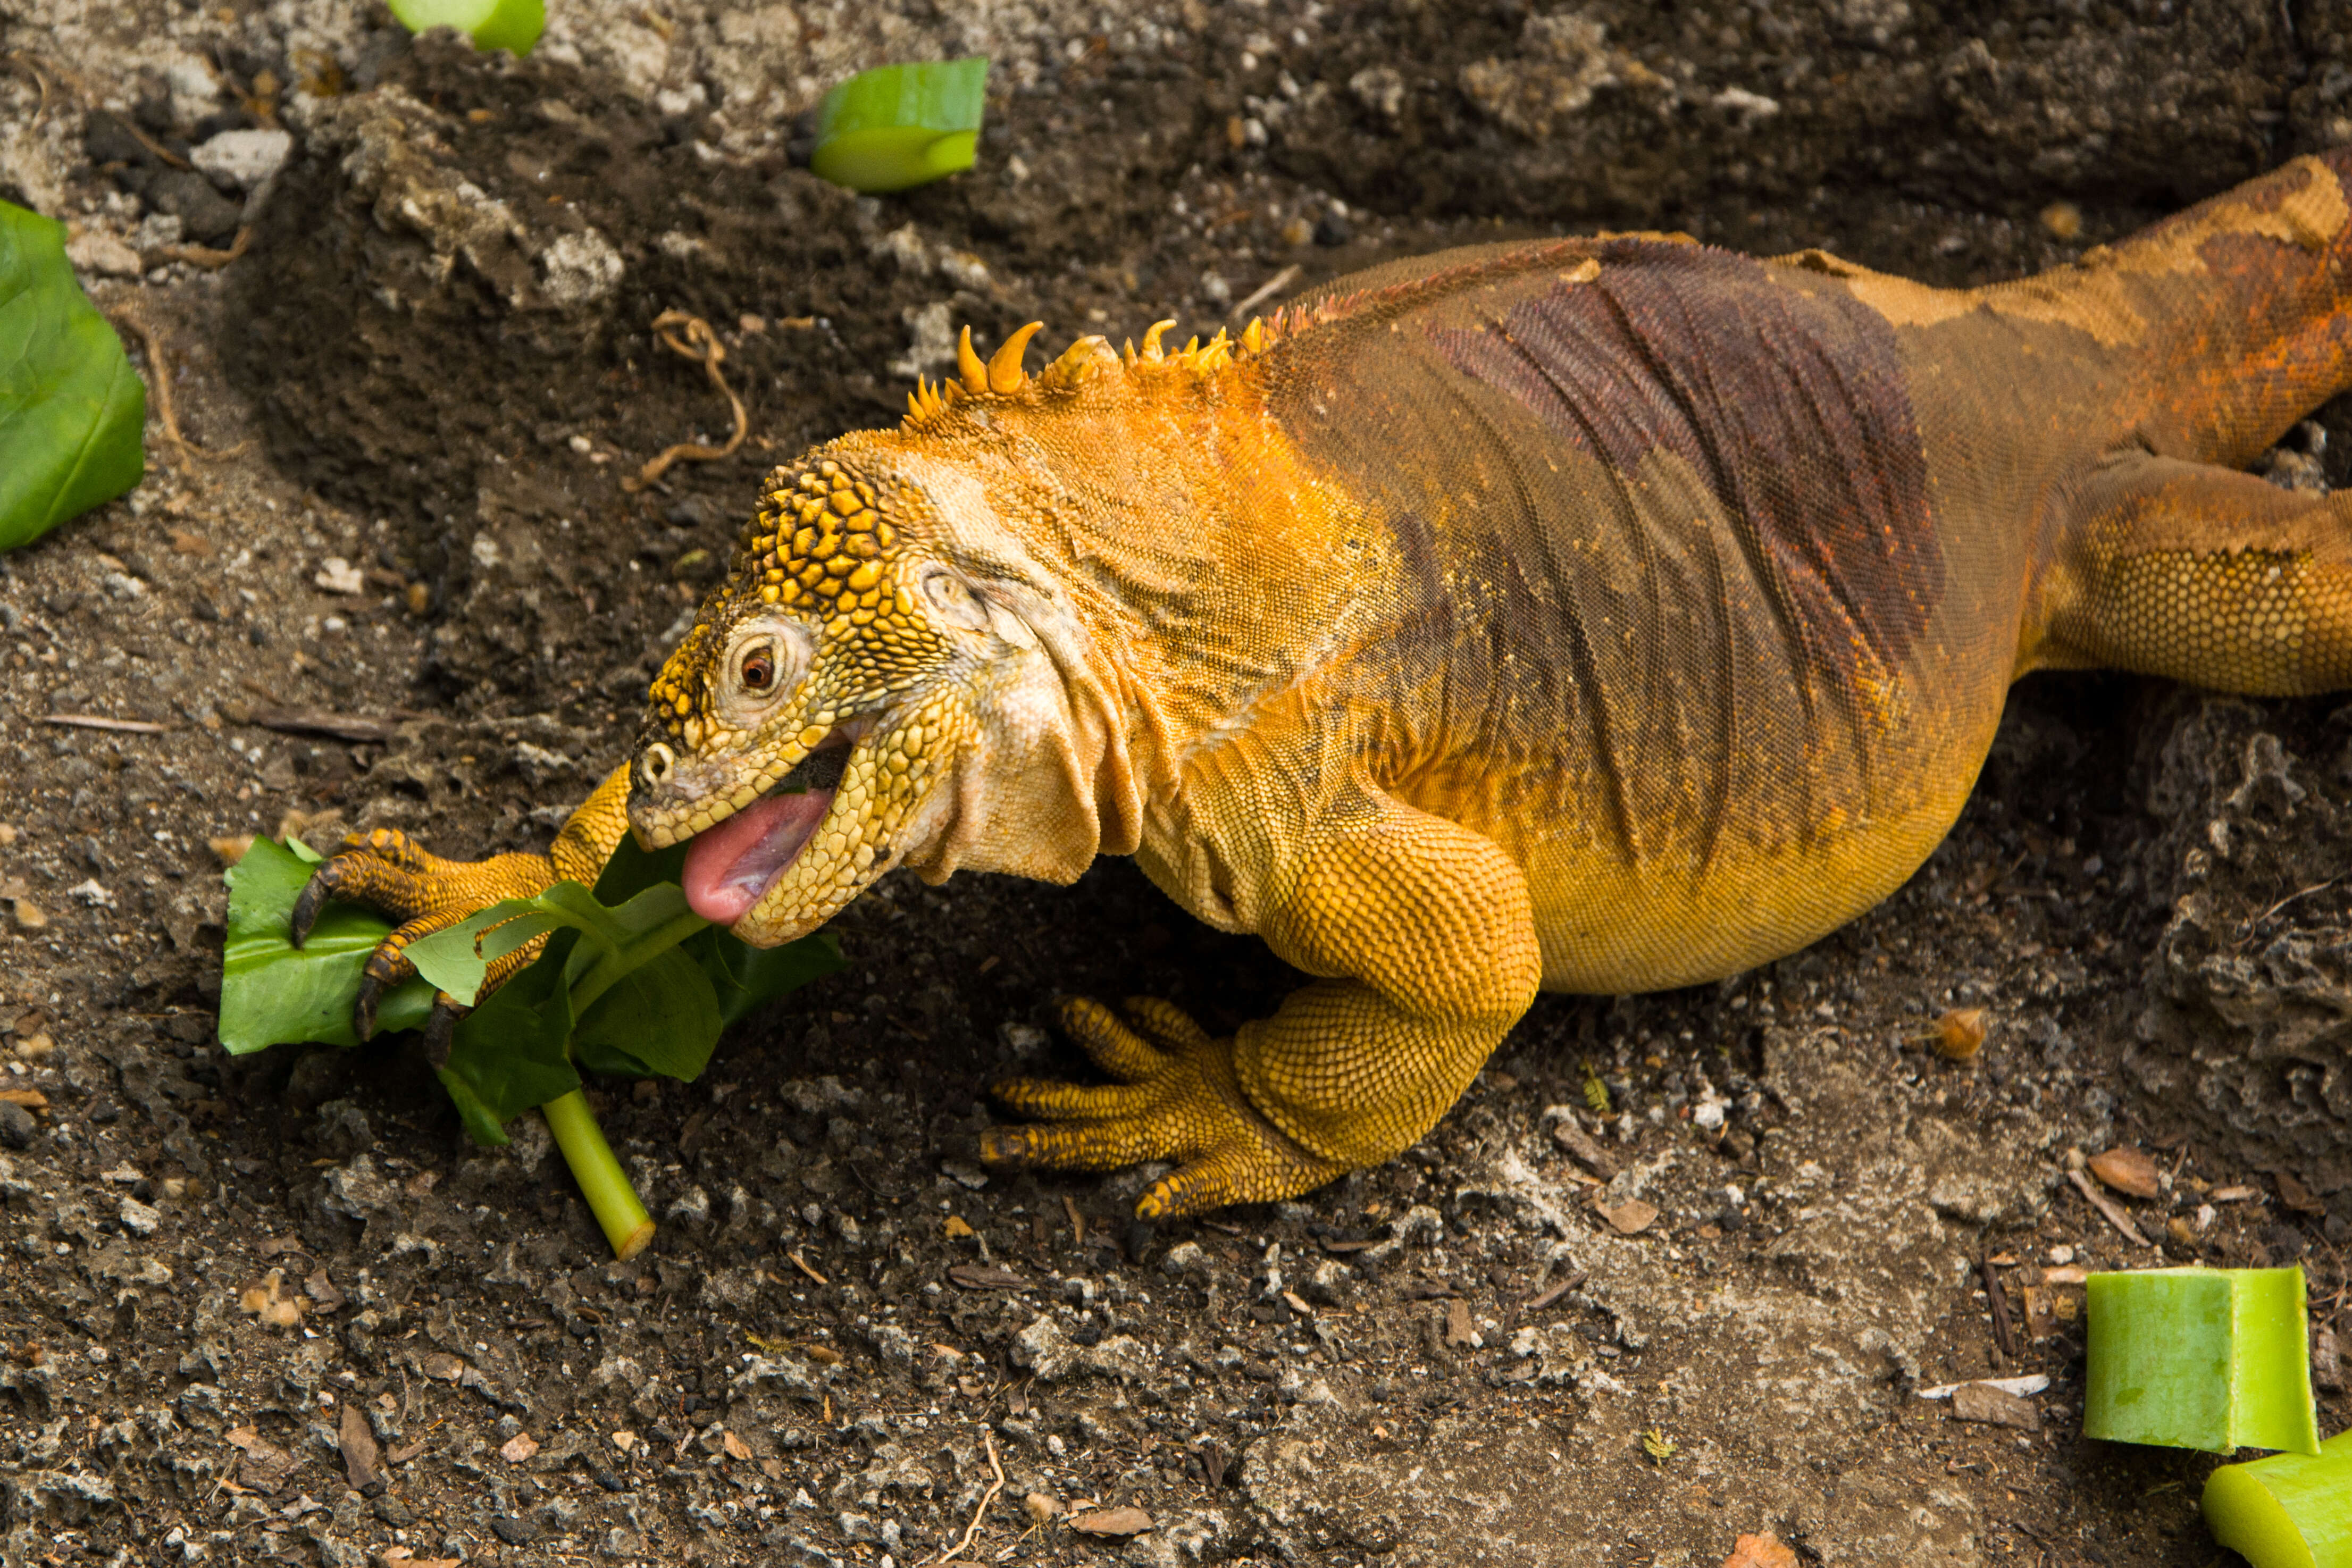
pixel 1984 1404
pixel 737 1449
pixel 956 1229
pixel 118 726
pixel 801 1263
pixel 1342 1248
pixel 348 727
pixel 2129 1171
pixel 1765 1551
pixel 2107 1209
pixel 1630 1217
pixel 519 1447
pixel 2233 1195
pixel 985 1276
pixel 1112 1521
pixel 1569 1134
pixel 1553 1292
pixel 406 1452
pixel 362 1459
pixel 2295 1195
pixel 30 1099
pixel 2066 1274
pixel 2033 1383
pixel 1459 1331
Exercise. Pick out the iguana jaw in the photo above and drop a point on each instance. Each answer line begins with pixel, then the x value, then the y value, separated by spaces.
pixel 777 865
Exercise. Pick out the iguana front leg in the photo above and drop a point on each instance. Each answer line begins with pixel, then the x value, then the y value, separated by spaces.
pixel 387 869
pixel 1426 933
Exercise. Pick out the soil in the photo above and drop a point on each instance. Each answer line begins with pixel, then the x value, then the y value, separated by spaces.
pixel 278 1309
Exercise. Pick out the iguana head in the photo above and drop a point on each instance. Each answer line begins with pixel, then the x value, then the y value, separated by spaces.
pixel 888 674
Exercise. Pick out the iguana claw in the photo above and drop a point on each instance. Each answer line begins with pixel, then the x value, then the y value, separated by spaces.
pixel 1177 1098
pixel 388 871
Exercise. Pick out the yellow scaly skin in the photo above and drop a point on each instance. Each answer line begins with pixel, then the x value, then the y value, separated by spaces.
pixel 1599 615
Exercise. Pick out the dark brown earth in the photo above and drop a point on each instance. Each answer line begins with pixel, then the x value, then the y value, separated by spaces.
pixel 438 347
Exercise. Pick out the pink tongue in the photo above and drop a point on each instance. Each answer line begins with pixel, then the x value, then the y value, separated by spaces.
pixel 728 867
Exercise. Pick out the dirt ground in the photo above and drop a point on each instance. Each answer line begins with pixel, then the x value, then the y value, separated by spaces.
pixel 391 578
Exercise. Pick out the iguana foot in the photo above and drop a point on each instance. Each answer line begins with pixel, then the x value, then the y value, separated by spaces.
pixel 1177 1098
pixel 387 869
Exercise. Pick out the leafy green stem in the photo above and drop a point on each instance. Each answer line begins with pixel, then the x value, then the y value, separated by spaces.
pixel 639 952
pixel 602 1181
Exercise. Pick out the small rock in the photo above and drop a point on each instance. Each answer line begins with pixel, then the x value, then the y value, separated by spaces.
pixel 519 1447
pixel 17 1128
pixel 1332 229
pixel 1982 1402
pixel 336 575
pixel 29 916
pixel 91 892
pixel 513 1531
pixel 1459 1331
pixel 243 160
pixel 2064 220
pixel 206 216
pixel 2127 1171
pixel 103 255
pixel 139 1219
pixel 441 1367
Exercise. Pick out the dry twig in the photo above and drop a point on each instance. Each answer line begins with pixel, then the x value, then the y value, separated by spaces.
pixel 2107 1209
pixel 94 721
pixel 702 346
pixel 995 1488
pixel 1265 291
pixel 204 255
pixel 159 382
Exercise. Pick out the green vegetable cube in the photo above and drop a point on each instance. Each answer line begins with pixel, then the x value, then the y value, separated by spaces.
pixel 2289 1510
pixel 2200 1358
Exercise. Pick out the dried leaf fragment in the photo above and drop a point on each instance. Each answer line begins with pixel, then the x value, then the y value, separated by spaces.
pixel 737 1449
pixel 1128 1521
pixel 268 1301
pixel 1765 1551
pixel 1630 1217
pixel 1960 1034
pixel 2127 1171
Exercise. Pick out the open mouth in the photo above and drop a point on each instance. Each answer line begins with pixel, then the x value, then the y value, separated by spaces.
pixel 732 865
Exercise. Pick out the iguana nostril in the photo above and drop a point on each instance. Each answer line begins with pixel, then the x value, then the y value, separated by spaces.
pixel 657 763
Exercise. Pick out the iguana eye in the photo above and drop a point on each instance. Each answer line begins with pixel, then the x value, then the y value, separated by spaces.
pixel 759 671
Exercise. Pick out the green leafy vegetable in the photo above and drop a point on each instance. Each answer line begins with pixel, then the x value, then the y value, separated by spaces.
pixel 630 982
pixel 71 411
pixel 2200 1358
pixel 901 126
pixel 272 994
pixel 492 23
pixel 2289 1510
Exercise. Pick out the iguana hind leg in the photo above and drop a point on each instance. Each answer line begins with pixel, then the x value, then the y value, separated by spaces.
pixel 389 871
pixel 1427 934
pixel 2208 575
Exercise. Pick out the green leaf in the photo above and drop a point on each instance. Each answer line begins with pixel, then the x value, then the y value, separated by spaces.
pixel 746 977
pixel 901 126
pixel 458 958
pixel 662 1019
pixel 629 871
pixel 2289 1510
pixel 272 994
pixel 71 411
pixel 2200 1358
pixel 491 24
pixel 508 1054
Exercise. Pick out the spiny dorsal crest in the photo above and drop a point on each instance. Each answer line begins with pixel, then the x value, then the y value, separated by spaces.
pixel 1000 377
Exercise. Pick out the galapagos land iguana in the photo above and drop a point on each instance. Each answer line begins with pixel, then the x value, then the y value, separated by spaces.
pixel 1604 614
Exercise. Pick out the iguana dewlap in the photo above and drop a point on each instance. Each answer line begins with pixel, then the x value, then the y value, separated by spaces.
pixel 1597 616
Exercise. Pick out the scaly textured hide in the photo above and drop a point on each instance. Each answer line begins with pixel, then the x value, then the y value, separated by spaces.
pixel 1601 615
